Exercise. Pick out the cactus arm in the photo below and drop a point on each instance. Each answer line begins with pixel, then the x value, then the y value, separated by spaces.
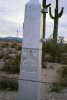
pixel 48 5
pixel 51 13
pixel 60 14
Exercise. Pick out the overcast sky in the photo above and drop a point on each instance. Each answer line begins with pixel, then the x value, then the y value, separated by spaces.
pixel 12 16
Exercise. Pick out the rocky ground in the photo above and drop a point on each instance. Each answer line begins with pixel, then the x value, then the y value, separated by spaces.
pixel 47 75
pixel 8 95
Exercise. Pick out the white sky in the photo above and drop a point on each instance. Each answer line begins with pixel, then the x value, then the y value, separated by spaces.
pixel 12 16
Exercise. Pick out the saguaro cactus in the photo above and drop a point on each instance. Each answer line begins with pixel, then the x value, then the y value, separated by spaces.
pixel 44 11
pixel 56 17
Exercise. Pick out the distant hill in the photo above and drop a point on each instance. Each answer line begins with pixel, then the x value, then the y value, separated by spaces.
pixel 11 38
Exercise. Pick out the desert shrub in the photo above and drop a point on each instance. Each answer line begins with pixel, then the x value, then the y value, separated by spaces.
pixel 64 74
pixel 10 85
pixel 4 45
pixel 12 65
pixel 55 51
pixel 1 56
pixel 57 87
pixel 19 48
pixel 62 84
pixel 14 45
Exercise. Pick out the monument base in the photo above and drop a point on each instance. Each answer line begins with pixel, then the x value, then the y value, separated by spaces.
pixel 29 87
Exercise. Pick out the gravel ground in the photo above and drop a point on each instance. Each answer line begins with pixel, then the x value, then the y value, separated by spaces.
pixel 48 75
pixel 7 95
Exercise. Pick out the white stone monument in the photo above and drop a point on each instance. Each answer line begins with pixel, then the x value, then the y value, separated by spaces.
pixel 30 61
pixel 31 29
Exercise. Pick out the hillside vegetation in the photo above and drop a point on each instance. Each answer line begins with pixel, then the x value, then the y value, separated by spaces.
pixel 10 52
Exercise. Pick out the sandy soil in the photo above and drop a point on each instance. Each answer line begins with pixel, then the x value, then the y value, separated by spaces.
pixel 50 74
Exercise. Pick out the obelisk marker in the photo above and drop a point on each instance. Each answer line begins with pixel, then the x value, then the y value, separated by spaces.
pixel 30 64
